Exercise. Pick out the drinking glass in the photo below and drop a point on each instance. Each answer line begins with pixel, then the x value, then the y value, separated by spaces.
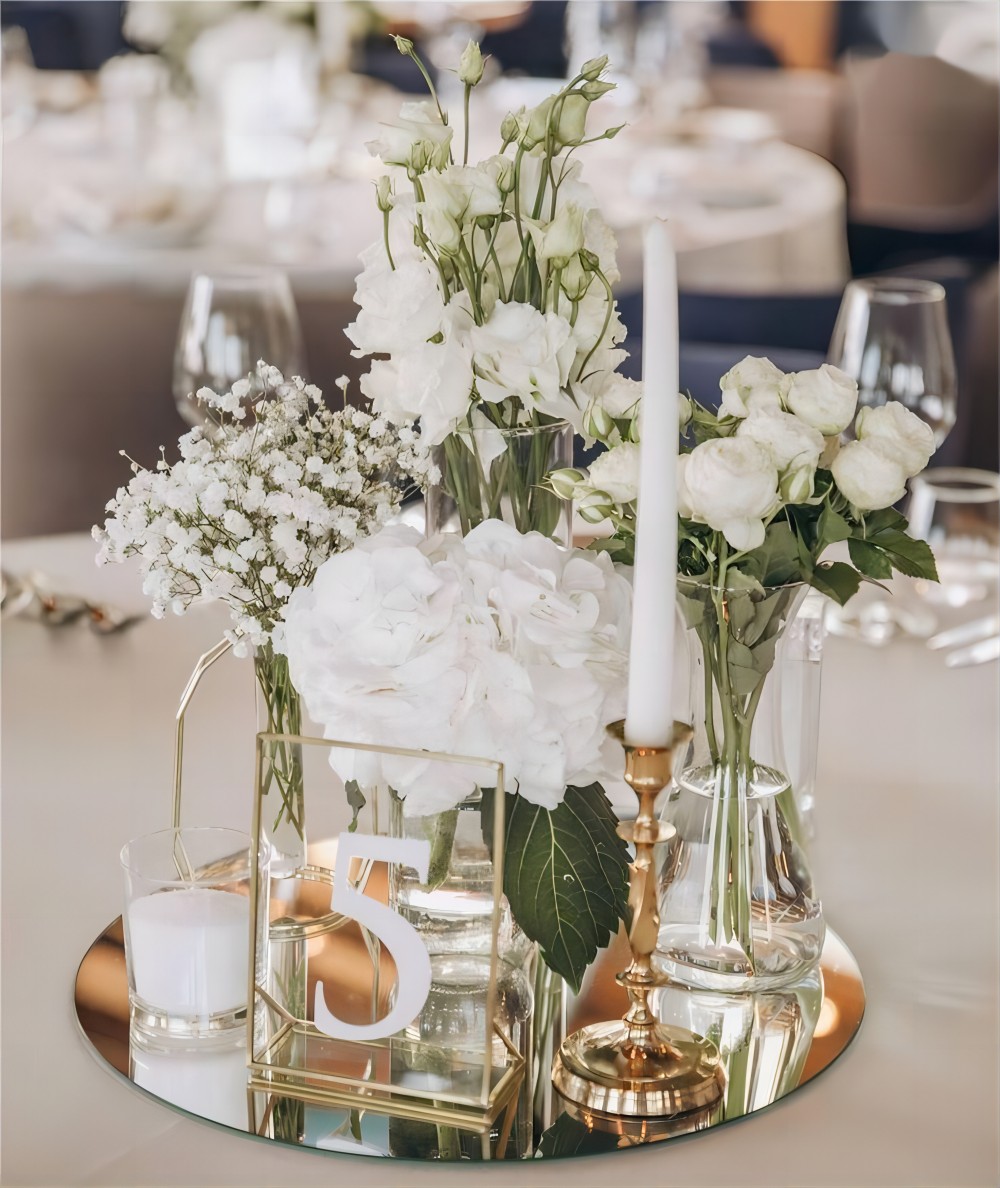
pixel 957 511
pixel 230 321
pixel 187 931
pixel 892 336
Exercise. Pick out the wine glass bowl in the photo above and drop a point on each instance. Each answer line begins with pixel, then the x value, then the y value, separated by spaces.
pixel 957 511
pixel 892 336
pixel 230 321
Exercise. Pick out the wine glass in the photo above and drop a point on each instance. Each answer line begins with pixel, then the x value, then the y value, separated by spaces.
pixel 957 511
pixel 892 336
pixel 230 321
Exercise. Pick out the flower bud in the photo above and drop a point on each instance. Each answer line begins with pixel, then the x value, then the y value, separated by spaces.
pixel 442 230
pixel 562 238
pixel 383 193
pixel 575 280
pixel 598 423
pixel 685 412
pixel 593 69
pixel 564 117
pixel 564 482
pixel 510 128
pixel 796 486
pixel 501 169
pixel 594 90
pixel 403 44
pixel 633 430
pixel 470 65
pixel 595 507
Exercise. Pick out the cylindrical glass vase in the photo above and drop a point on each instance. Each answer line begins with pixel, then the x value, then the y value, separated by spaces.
pixel 499 474
pixel 738 910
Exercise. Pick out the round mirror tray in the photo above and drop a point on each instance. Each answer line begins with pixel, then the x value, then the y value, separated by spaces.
pixel 770 1044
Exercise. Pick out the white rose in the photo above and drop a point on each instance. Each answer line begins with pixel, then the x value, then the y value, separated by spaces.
pixel 790 442
pixel 398 309
pixel 420 125
pixel 910 438
pixel 561 239
pixel 616 472
pixel 869 474
pixel 731 484
pixel 432 381
pixel 825 398
pixel 524 353
pixel 752 383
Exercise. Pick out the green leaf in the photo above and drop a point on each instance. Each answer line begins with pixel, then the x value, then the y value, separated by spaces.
pixel 566 875
pixel 568 1136
pixel 869 558
pixel 832 528
pixel 838 580
pixel 777 559
pixel 356 799
pixel 743 673
pixel 909 556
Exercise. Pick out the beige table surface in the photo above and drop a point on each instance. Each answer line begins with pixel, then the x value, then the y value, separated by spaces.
pixel 907 861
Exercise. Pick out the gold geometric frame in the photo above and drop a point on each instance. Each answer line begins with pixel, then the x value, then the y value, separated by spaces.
pixel 289 1057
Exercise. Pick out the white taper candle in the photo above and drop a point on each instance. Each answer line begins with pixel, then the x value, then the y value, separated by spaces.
pixel 649 719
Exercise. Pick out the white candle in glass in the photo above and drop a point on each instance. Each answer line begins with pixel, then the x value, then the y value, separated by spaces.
pixel 649 720
pixel 190 950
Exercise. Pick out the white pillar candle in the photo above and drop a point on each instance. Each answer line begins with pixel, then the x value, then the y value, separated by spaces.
pixel 190 950
pixel 649 721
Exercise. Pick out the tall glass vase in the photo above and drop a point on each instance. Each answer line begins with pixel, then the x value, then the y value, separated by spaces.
pixel 499 474
pixel 738 909
pixel 279 711
pixel 452 911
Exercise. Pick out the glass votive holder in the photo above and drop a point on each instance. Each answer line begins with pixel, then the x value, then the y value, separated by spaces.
pixel 187 931
pixel 957 511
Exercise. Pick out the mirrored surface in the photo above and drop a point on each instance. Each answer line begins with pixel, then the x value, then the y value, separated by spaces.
pixel 770 1044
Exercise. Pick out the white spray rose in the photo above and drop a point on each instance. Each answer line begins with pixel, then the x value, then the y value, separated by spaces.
pixel 825 398
pixel 752 383
pixel 616 472
pixel 869 474
pixel 794 448
pixel 910 438
pixel 524 353
pixel 731 484
pixel 418 138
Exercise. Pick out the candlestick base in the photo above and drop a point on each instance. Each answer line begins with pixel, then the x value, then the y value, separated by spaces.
pixel 670 1071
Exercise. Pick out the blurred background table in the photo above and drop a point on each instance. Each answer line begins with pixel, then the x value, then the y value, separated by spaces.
pixel 905 857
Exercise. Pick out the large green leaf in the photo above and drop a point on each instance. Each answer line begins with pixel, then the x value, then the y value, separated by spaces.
pixel 565 875
pixel 837 579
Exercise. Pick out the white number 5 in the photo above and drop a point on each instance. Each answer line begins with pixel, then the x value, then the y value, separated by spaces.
pixel 398 936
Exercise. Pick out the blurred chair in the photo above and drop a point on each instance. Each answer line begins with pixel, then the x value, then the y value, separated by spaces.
pixel 804 104
pixel 68 34
pixel 920 153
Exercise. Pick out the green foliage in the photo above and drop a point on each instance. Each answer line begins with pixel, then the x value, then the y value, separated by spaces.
pixel 566 875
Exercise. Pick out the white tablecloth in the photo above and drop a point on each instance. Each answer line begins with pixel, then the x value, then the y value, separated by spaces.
pixel 906 861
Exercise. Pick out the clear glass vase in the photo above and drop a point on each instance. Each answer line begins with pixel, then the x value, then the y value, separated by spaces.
pixel 453 913
pixel 738 911
pixel 279 711
pixel 499 474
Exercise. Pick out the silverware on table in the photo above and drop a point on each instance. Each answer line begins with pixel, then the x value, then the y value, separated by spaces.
pixel 966 633
pixel 981 652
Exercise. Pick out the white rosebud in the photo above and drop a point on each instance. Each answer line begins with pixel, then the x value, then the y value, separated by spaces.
pixel 752 383
pixel 825 398
pixel 731 484
pixel 594 90
pixel 561 239
pixel 564 482
pixel 869 474
pixel 796 486
pixel 617 473
pixel 910 438
pixel 470 65
pixel 512 127
pixel 383 193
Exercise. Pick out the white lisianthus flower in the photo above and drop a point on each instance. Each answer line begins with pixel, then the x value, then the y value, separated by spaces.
pixel 470 65
pixel 869 474
pixel 443 231
pixel 620 397
pixel 430 381
pixel 400 308
pixel 825 398
pixel 752 383
pixel 567 118
pixel 501 170
pixel 892 424
pixel 524 353
pixel 464 192
pixel 561 239
pixel 600 239
pixel 731 484
pixel 616 472
pixel 420 125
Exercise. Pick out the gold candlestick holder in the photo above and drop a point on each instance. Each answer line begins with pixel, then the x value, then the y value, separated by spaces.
pixel 636 1067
